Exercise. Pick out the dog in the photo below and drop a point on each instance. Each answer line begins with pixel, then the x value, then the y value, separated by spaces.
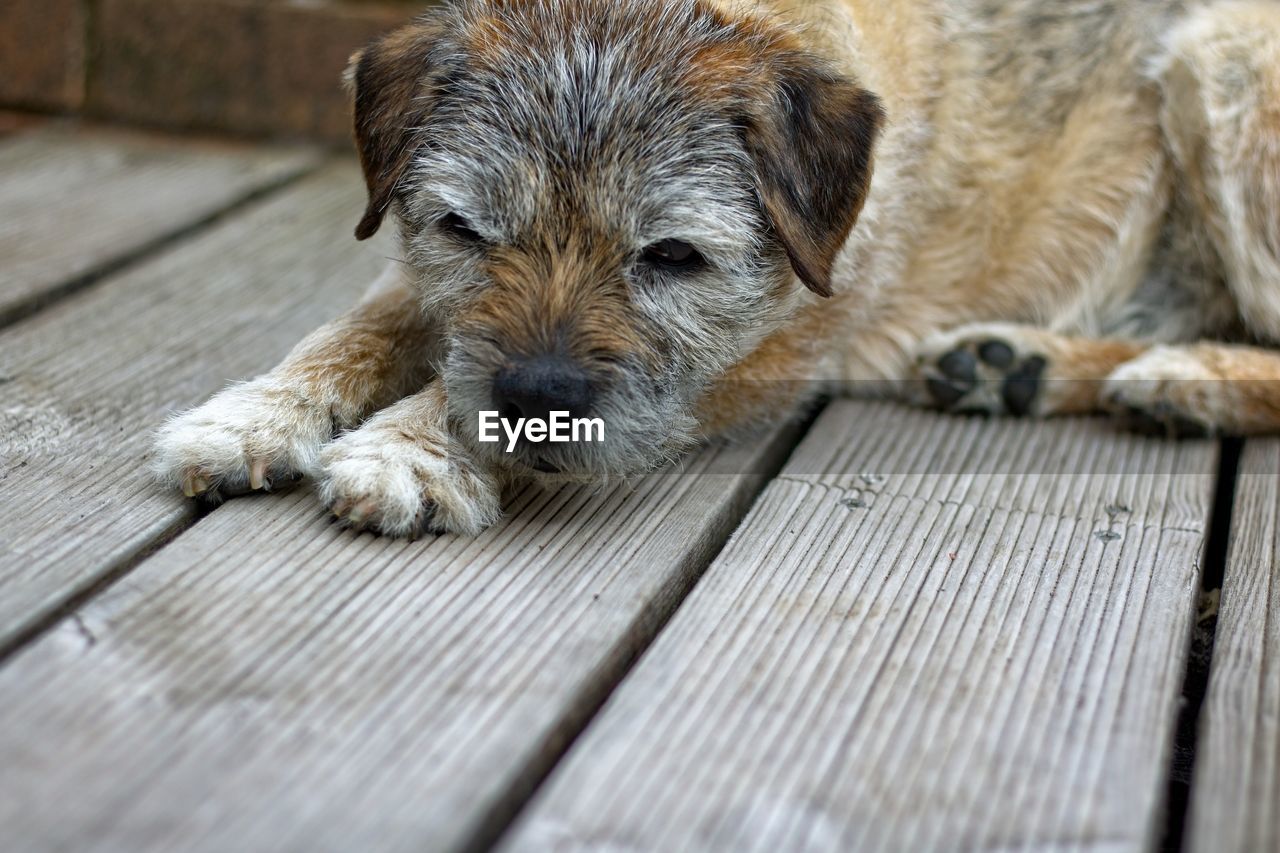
pixel 690 217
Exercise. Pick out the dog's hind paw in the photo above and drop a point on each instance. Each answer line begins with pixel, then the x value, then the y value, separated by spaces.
pixel 990 369
pixel 1168 391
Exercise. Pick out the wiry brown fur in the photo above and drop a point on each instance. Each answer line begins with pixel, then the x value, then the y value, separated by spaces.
pixel 1056 203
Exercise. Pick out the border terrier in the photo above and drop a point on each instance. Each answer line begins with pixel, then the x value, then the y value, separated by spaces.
pixel 688 217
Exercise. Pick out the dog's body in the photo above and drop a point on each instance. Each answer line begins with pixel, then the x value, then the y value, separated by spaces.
pixel 611 206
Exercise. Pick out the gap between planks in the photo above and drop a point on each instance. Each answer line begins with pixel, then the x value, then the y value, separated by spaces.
pixel 1200 652
pixel 1235 793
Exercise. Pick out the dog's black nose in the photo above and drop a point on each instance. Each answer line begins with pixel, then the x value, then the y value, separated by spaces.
pixel 536 387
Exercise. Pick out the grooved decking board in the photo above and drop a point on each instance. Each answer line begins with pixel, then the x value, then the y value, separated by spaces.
pixel 75 202
pixel 84 384
pixel 268 681
pixel 1236 792
pixel 916 640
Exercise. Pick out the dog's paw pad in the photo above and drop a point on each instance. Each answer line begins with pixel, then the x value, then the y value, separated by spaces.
pixel 981 374
pixel 1020 387
pixel 956 377
pixel 997 354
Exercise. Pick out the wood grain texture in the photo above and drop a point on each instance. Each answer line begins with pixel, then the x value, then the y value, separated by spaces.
pixel 1236 792
pixel 84 384
pixel 75 202
pixel 268 681
pixel 928 634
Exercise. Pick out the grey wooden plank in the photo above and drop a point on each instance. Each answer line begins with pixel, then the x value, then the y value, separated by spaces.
pixel 83 384
pixel 75 201
pixel 928 634
pixel 268 681
pixel 1236 787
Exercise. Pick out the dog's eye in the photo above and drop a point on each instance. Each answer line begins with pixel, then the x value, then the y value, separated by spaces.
pixel 674 255
pixel 455 226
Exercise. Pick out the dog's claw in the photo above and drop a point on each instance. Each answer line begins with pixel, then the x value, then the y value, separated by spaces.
pixel 360 512
pixel 257 474
pixel 194 486
pixel 339 509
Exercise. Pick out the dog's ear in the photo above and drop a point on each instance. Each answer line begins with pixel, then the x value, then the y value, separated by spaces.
pixel 812 150
pixel 387 80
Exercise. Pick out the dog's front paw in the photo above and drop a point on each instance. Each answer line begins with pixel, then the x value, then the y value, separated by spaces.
pixel 1168 391
pixel 378 477
pixel 252 436
pixel 993 369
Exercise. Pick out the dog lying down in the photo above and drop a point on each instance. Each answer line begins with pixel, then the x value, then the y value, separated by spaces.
pixel 657 221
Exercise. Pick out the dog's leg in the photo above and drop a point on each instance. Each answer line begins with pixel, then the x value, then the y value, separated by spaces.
pixel 1004 368
pixel 403 473
pixel 1195 389
pixel 994 368
pixel 270 429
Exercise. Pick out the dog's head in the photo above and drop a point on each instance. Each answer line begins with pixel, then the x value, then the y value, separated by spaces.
pixel 607 203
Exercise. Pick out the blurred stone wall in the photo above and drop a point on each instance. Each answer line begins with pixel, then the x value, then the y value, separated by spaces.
pixel 250 67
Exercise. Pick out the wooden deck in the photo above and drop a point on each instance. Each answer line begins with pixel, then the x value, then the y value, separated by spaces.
pixel 888 630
